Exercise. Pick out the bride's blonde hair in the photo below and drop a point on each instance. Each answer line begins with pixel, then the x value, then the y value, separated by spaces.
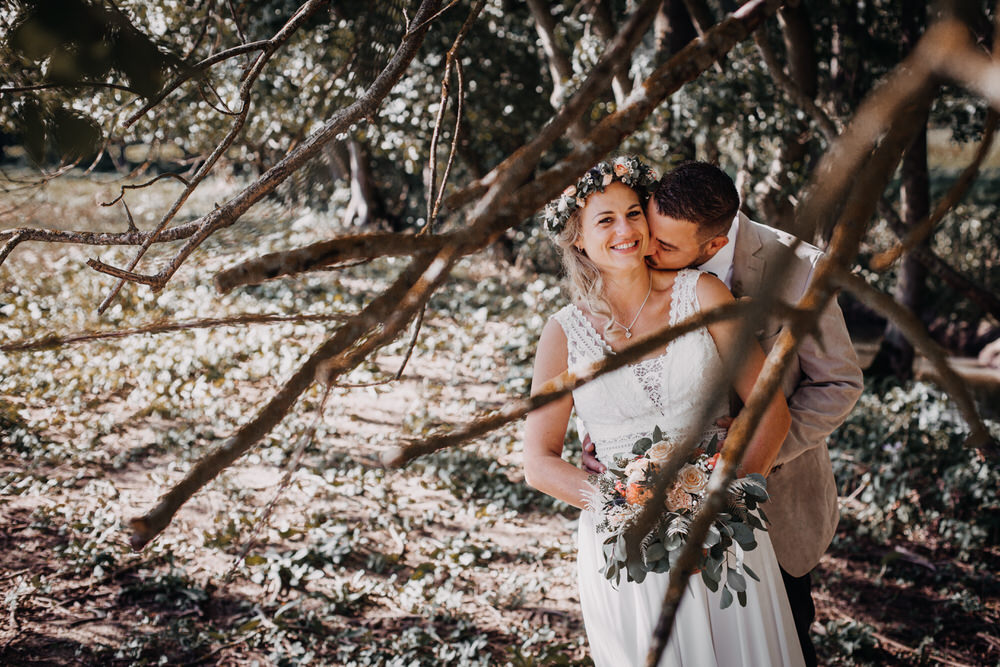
pixel 585 279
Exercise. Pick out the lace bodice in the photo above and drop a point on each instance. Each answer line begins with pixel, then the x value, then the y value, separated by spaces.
pixel 669 391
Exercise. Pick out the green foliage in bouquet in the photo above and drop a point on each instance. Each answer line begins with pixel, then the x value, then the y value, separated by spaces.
pixel 623 491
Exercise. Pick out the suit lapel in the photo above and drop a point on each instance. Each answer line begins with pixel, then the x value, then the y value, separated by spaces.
pixel 748 262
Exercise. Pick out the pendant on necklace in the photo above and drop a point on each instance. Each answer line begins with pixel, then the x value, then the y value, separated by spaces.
pixel 628 334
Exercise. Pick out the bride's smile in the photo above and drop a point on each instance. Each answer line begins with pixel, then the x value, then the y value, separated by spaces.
pixel 613 230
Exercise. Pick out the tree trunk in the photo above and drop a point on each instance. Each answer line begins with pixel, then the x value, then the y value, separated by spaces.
pixel 673 30
pixel 896 354
pixel 367 206
pixel 604 26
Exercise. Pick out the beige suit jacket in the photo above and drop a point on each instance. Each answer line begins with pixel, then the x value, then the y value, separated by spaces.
pixel 822 387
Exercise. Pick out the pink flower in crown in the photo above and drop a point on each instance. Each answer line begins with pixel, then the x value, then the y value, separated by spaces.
pixel 678 499
pixel 581 202
pixel 570 191
pixel 606 181
pixel 692 479
pixel 621 169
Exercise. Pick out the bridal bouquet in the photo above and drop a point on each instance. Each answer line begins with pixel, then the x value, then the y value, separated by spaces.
pixel 621 493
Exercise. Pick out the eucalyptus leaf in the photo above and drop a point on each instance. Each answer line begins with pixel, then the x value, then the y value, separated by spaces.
pixel 736 580
pixel 655 552
pixel 641 446
pixel 711 583
pixel 753 575
pixel 742 597
pixel 727 598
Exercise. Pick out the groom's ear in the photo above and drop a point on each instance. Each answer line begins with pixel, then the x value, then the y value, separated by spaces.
pixel 716 244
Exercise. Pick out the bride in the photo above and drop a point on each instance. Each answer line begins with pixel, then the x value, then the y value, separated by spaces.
pixel 600 227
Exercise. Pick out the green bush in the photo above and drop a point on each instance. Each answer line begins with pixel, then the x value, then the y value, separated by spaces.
pixel 901 454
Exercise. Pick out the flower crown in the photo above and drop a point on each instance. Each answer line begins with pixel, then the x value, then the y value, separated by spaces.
pixel 629 170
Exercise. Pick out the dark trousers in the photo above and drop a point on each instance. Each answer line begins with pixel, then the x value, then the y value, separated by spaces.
pixel 799 591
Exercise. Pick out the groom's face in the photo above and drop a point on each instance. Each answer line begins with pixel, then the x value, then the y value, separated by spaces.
pixel 676 243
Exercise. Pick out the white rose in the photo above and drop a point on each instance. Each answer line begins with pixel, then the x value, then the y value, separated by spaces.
pixel 636 469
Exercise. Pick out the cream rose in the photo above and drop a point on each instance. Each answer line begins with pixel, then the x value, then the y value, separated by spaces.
pixel 636 469
pixel 570 191
pixel 692 479
pixel 659 452
pixel 606 181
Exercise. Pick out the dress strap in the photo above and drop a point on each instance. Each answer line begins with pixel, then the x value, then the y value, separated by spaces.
pixel 684 295
pixel 584 345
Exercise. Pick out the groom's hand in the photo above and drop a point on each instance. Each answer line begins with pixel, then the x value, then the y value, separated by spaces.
pixel 590 462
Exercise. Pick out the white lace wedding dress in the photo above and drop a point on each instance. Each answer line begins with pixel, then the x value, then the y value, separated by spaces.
pixel 670 391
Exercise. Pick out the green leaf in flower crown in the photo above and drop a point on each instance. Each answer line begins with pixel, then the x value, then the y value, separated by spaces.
pixel 736 580
pixel 727 597
pixel 657 434
pixel 753 575
pixel 655 552
pixel 711 583
pixel 641 446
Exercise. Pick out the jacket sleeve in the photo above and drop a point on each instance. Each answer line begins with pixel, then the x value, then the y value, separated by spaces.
pixel 830 385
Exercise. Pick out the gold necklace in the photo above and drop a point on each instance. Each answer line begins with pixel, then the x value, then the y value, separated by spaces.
pixel 628 329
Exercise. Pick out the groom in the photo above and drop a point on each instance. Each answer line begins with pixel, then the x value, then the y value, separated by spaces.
pixel 694 220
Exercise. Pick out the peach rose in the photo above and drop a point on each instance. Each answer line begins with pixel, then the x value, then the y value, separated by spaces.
pixel 678 499
pixel 620 169
pixel 692 479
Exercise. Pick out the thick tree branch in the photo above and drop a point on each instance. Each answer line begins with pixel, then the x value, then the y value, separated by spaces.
pixel 324 254
pixel 53 341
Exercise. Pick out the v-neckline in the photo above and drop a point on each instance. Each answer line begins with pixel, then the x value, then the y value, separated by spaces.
pixel 606 346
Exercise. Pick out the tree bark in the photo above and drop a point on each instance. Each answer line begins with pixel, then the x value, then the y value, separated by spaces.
pixel 604 26
pixel 896 354
pixel 367 208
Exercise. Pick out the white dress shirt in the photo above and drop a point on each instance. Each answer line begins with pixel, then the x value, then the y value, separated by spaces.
pixel 722 263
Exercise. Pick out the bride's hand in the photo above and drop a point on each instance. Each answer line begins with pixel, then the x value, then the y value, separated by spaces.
pixel 590 462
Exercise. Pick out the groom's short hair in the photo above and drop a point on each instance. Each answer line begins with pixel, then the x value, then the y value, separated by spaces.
pixel 701 193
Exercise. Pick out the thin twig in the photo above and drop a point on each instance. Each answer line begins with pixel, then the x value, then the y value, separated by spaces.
pixel 160 177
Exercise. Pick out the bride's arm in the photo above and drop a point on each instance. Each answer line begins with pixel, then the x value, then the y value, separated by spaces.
pixel 545 428
pixel 773 428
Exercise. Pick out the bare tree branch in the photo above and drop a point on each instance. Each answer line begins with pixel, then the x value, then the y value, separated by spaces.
pixel 979 295
pixel 979 438
pixel 52 341
pixel 273 44
pixel 324 254
pixel 923 229
pixel 228 213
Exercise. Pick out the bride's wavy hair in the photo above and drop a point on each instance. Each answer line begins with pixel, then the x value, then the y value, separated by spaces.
pixel 585 279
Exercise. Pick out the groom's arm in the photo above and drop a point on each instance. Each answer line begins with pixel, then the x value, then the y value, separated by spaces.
pixel 830 385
